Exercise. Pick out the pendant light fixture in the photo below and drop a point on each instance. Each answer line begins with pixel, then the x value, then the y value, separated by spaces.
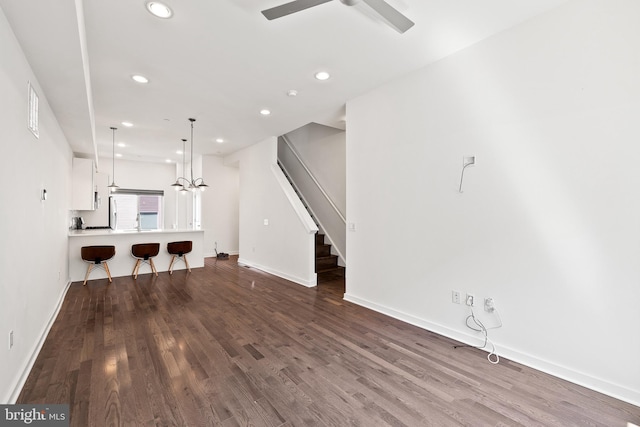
pixel 113 186
pixel 192 184
pixel 181 187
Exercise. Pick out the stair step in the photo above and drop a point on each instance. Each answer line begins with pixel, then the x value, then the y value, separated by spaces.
pixel 323 250
pixel 330 274
pixel 329 261
pixel 337 269
pixel 327 268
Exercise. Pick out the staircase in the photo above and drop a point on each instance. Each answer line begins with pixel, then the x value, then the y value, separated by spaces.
pixel 327 267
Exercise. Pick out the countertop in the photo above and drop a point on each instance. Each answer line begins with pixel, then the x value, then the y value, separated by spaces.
pixel 109 232
pixel 122 263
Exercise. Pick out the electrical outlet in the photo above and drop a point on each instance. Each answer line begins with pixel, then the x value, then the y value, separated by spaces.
pixel 455 297
pixel 470 299
pixel 489 305
pixel 10 339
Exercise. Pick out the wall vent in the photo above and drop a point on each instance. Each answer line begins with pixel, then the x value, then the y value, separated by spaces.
pixel 33 117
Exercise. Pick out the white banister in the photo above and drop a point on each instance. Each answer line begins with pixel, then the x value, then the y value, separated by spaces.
pixel 313 178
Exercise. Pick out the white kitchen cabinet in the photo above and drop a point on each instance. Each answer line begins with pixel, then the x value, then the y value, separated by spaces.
pixel 99 217
pixel 83 187
pixel 101 182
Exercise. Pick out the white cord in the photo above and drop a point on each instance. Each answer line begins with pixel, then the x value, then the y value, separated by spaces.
pixel 484 330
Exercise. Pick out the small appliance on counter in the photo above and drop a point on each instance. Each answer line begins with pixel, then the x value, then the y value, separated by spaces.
pixel 77 223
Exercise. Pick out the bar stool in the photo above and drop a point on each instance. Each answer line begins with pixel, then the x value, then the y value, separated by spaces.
pixel 179 250
pixel 97 256
pixel 144 253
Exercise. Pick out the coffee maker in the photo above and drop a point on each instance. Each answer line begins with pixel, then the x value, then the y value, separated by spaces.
pixel 77 223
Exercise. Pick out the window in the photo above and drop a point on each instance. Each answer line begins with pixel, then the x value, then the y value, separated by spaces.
pixel 137 208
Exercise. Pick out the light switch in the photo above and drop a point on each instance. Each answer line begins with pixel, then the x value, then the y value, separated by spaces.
pixel 266 221
pixel 352 226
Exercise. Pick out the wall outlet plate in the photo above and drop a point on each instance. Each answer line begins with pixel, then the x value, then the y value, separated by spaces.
pixel 455 297
pixel 470 300
pixel 489 305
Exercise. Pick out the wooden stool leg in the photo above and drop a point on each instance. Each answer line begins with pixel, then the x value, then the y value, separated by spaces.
pixel 106 268
pixel 86 276
pixel 134 273
pixel 173 258
pixel 153 266
pixel 186 262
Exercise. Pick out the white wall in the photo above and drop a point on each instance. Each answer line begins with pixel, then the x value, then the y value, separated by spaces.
pixel 284 247
pixel 548 223
pixel 220 209
pixel 33 260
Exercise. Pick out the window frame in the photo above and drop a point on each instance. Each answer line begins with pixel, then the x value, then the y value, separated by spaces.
pixel 138 193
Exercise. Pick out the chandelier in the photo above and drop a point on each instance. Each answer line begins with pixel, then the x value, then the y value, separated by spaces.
pixel 182 183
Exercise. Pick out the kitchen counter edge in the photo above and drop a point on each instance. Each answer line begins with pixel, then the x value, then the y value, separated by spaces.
pixel 86 233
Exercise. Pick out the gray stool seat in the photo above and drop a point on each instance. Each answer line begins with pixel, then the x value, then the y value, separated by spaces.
pixel 97 256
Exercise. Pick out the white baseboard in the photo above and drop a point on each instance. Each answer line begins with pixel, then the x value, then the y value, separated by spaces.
pixel 580 378
pixel 309 283
pixel 22 379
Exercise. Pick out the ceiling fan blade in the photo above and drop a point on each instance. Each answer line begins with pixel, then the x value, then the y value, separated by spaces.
pixel 397 20
pixel 291 7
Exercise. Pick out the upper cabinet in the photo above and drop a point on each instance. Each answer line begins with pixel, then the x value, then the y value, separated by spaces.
pixel 83 187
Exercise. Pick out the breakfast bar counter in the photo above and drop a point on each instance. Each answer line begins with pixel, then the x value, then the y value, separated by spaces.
pixel 123 262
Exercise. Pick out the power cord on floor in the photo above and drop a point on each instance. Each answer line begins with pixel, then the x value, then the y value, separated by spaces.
pixel 478 326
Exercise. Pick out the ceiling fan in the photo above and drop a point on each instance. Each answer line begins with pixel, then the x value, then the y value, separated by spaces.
pixel 395 19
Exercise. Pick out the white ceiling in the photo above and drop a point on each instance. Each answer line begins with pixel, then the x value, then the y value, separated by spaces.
pixel 221 62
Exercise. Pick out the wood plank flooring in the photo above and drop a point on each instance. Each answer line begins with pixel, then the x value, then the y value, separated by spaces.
pixel 232 346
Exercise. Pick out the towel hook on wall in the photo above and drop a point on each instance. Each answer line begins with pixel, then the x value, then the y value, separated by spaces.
pixel 466 161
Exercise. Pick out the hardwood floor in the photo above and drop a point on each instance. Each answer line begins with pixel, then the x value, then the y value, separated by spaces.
pixel 228 345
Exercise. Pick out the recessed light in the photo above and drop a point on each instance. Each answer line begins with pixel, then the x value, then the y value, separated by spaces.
pixel 179 152
pixel 169 161
pixel 265 112
pixel 292 93
pixel 121 144
pixel 118 155
pixel 140 79
pixel 219 140
pixel 127 124
pixel 159 9
pixel 322 75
